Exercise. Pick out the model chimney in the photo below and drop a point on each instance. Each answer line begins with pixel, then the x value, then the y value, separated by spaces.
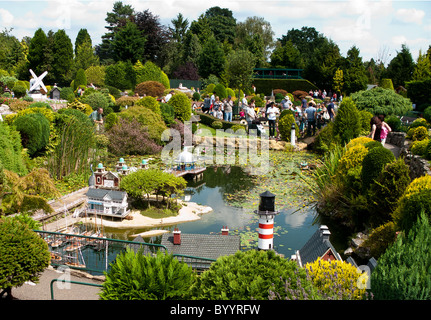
pixel 177 236
pixel 324 232
pixel 224 231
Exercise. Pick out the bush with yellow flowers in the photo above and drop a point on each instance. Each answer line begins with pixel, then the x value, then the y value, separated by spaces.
pixel 337 280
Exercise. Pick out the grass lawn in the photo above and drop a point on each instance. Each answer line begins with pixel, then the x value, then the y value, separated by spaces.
pixel 158 213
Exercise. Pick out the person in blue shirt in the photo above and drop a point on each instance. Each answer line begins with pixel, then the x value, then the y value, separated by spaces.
pixel 311 118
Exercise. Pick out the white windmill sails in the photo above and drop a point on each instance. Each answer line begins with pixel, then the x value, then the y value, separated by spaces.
pixel 36 82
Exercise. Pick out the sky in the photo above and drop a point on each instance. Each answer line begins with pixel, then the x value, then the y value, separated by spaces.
pixel 377 27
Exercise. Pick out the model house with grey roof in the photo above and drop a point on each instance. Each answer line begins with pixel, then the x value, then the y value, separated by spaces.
pixel 318 246
pixel 107 202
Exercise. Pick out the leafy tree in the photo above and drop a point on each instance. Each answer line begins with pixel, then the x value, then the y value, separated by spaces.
pixel 381 101
pixel 287 56
pixel 12 53
pixel 128 43
pixel 355 78
pixel 29 193
pixel 201 28
pixel 255 28
pixel 192 48
pixel 306 40
pixel 187 71
pixel 96 75
pixel 23 255
pixel 147 277
pixel 400 69
pixel 261 271
pixel 338 81
pixel 156 35
pixel 85 56
pixel 149 72
pixel 212 59
pixel 239 69
pixel 222 23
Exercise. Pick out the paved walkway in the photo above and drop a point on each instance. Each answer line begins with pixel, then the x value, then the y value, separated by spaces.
pixel 61 290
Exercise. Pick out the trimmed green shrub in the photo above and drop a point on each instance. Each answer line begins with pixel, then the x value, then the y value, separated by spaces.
pixel 403 270
pixel 394 122
pixel 387 84
pixel 135 276
pixel 96 100
pixel 220 91
pixel 146 118
pixel 419 147
pixel 250 275
pixel 365 117
pixel 80 79
pixel 381 101
pixel 34 130
pixel 347 123
pixel 380 239
pixel 373 164
pixel 24 255
pixel 19 91
pixel 419 122
pixel 285 126
pixel 182 106
pixel 217 124
pixel 409 208
pixel 418 133
pixel 388 189
pixel 325 140
pixel 150 103
pixel 427 114
pixel 168 113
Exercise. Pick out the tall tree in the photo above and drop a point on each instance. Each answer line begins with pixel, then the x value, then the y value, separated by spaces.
pixel 157 36
pixel 355 75
pixel 401 67
pixel 239 69
pixel 287 56
pixel 36 51
pixel 116 19
pixel 85 56
pixel 83 36
pixel 212 59
pixel 179 29
pixel 222 23
pixel 128 43
pixel 63 57
pixel 247 31
pixel 422 69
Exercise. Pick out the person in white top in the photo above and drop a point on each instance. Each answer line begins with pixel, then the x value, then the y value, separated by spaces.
pixel 271 113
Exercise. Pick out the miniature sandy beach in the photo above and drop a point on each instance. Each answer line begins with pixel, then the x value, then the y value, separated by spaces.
pixel 189 212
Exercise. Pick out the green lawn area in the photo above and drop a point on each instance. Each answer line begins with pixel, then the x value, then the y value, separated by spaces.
pixel 158 213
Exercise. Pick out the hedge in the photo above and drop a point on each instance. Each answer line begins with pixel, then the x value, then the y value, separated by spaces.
pixel 208 119
pixel 266 86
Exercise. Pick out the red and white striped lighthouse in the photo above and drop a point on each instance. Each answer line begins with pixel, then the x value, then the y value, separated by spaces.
pixel 266 214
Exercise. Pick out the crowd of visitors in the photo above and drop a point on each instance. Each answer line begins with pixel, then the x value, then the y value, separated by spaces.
pixel 310 116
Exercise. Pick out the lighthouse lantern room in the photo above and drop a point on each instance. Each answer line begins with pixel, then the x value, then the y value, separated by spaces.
pixel 266 214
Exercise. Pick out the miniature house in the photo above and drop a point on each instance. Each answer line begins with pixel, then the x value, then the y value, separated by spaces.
pixel 55 94
pixel 318 246
pixel 107 202
pixel 105 179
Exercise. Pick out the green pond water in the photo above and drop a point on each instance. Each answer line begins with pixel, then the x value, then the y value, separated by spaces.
pixel 233 194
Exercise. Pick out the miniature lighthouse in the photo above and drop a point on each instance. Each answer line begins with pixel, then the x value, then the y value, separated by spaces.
pixel 266 214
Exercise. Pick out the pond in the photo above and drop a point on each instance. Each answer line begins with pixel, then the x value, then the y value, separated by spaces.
pixel 234 195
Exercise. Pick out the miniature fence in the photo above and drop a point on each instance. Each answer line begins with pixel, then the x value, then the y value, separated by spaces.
pixel 94 254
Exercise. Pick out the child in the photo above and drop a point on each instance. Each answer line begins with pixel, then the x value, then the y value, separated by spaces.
pixel 385 130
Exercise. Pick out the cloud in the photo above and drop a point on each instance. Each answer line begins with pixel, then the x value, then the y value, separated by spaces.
pixel 6 18
pixel 411 15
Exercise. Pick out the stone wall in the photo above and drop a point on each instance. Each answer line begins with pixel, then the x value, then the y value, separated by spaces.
pixel 418 165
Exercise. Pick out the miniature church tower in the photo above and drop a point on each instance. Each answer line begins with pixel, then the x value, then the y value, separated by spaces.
pixel 266 214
